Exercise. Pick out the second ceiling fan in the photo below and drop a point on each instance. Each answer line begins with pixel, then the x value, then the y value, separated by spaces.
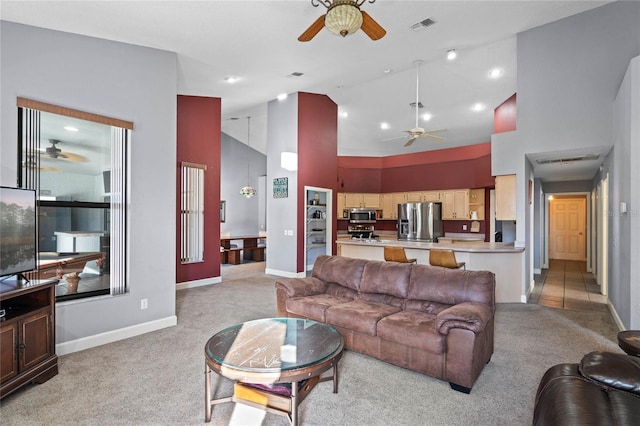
pixel 418 132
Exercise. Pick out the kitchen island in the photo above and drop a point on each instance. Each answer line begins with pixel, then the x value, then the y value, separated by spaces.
pixel 503 259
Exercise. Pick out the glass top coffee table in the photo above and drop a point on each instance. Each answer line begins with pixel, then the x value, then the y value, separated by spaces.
pixel 275 362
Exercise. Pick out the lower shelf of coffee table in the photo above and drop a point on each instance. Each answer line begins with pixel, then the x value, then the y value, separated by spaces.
pixel 247 392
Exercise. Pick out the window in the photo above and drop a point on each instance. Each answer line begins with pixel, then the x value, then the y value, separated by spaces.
pixel 77 163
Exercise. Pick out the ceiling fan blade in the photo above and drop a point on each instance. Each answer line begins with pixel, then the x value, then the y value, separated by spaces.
pixel 436 131
pixel 371 27
pixel 314 29
pixel 410 141
pixel 429 136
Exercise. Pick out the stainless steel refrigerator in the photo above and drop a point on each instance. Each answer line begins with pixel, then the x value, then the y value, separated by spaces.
pixel 420 221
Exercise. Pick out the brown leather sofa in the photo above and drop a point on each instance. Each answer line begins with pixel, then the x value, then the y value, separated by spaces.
pixel 433 320
pixel 604 389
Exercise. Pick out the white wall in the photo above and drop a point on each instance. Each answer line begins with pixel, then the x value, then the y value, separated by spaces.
pixel 282 135
pixel 624 247
pixel 239 165
pixel 121 81
pixel 569 72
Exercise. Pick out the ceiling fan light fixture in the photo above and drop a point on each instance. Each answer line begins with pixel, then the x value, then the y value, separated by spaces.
pixel 343 18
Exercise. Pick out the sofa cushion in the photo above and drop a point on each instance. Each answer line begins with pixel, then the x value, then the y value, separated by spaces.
pixel 358 315
pixel 337 269
pixel 412 328
pixel 426 306
pixel 451 286
pixel 390 278
pixel 314 307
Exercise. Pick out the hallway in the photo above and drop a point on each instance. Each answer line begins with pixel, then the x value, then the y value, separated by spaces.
pixel 567 285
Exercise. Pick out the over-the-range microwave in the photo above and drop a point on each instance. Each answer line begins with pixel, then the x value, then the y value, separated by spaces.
pixel 362 216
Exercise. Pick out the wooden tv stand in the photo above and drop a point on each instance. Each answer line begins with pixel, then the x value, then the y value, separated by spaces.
pixel 27 333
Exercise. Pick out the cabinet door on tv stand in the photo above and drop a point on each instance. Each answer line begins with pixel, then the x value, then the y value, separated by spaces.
pixel 35 339
pixel 8 345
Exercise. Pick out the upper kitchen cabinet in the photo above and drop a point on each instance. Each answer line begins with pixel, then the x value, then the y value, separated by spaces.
pixel 455 204
pixel 390 204
pixel 342 205
pixel 362 201
pixel 476 203
pixel 506 197
pixel 423 197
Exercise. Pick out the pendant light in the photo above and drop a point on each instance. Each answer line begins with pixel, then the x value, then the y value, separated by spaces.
pixel 248 191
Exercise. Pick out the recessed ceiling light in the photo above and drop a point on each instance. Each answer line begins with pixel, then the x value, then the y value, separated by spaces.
pixel 426 116
pixel 451 54
pixel 387 71
pixel 71 128
pixel 344 114
pixel 282 96
pixel 384 126
pixel 496 73
pixel 479 106
pixel 231 79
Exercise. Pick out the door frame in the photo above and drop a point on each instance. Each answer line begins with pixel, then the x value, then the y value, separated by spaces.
pixel 328 223
pixel 587 196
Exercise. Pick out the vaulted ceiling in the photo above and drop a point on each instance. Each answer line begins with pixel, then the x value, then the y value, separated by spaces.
pixel 371 81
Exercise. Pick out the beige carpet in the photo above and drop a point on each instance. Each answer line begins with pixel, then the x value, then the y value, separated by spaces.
pixel 158 378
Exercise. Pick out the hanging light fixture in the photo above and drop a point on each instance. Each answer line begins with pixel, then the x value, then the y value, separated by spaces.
pixel 248 191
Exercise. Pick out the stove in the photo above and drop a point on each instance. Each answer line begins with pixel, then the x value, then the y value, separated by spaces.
pixel 360 231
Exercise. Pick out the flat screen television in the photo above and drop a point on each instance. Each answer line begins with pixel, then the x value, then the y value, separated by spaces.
pixel 18 248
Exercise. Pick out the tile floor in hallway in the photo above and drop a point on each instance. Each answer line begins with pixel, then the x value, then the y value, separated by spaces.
pixel 568 285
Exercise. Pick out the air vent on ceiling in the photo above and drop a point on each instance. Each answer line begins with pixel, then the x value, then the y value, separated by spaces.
pixel 588 157
pixel 423 24
pixel 413 104
pixel 295 74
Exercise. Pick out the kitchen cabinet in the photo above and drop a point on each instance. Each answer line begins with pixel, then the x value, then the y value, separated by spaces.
pixel 390 203
pixel 506 197
pixel 342 205
pixel 362 200
pixel 27 334
pixel 455 204
pixel 423 197
pixel 476 202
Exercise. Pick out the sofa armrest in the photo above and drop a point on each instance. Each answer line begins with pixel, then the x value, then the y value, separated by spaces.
pixel 299 287
pixel 613 370
pixel 468 315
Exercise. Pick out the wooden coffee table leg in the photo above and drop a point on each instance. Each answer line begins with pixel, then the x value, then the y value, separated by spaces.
pixel 335 377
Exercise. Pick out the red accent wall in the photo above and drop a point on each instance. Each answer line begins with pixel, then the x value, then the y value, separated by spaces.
pixel 460 167
pixel 199 141
pixel 504 116
pixel 317 155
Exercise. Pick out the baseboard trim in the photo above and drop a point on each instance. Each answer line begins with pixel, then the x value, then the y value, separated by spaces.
pixel 615 316
pixel 114 335
pixel 525 297
pixel 537 271
pixel 285 274
pixel 198 283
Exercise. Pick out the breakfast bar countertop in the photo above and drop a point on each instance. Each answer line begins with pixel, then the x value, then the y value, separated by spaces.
pixel 459 246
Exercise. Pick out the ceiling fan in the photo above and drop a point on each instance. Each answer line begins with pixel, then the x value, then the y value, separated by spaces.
pixel 344 17
pixel 418 132
pixel 54 152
